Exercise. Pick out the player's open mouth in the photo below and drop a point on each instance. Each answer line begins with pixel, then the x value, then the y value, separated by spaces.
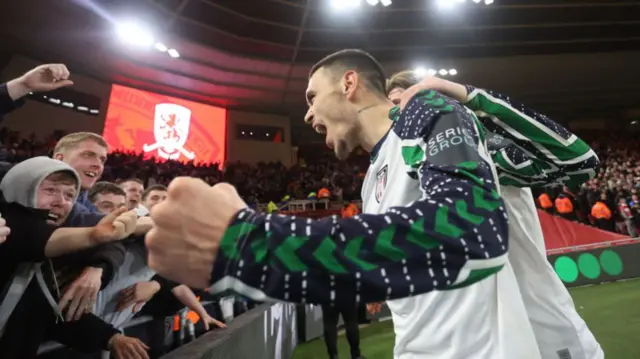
pixel 321 129
pixel 53 217
pixel 90 174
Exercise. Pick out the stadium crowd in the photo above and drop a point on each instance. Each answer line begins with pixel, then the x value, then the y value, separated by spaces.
pixel 613 193
pixel 262 182
pixel 610 200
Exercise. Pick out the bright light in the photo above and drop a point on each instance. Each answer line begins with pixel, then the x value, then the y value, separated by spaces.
pixel 83 108
pixel 446 4
pixel 94 111
pixel 432 72
pixel 372 2
pixel 173 53
pixel 385 2
pixel 443 72
pixel 161 47
pixel 345 4
pixel 453 72
pixel 420 71
pixel 134 34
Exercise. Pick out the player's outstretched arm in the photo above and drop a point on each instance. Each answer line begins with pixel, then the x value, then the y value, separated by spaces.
pixel 548 152
pixel 454 235
pixel 520 168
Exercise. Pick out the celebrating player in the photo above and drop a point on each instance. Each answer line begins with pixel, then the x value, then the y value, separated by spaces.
pixel 437 221
pixel 529 150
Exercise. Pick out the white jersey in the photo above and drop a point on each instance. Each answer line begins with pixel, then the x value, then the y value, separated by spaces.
pixel 486 320
pixel 530 150
pixel 560 331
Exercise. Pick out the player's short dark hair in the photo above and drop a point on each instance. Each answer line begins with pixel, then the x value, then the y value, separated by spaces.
pixel 403 79
pixel 104 187
pixel 360 61
pixel 155 187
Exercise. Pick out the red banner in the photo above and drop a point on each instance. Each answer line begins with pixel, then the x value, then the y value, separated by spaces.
pixel 561 233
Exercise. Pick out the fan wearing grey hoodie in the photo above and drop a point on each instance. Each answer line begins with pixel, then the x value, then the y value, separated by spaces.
pixel 38 196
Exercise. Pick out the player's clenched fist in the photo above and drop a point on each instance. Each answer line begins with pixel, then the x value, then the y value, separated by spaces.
pixel 189 226
pixel 115 226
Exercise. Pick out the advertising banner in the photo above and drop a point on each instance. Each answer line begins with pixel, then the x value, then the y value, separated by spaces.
pixel 597 265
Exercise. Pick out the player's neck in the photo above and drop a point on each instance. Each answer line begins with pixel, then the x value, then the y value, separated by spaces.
pixel 374 124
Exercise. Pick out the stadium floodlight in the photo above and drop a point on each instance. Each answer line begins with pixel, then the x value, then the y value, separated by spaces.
pixel 173 53
pixel 432 72
pixel 134 34
pixel 453 72
pixel 345 4
pixel 477 1
pixel 420 71
pixel 443 72
pixel 488 2
pixel 446 4
pixel 384 3
pixel 161 47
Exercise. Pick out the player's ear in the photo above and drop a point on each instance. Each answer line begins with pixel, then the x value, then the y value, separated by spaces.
pixel 350 83
pixel 58 156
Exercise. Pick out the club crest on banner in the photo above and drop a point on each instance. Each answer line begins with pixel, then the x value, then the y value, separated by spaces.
pixel 171 130
pixel 381 182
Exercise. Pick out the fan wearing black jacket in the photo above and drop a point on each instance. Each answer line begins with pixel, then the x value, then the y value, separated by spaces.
pixel 88 271
pixel 38 196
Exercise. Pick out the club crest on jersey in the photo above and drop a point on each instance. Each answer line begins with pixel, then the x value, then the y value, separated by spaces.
pixel 381 182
